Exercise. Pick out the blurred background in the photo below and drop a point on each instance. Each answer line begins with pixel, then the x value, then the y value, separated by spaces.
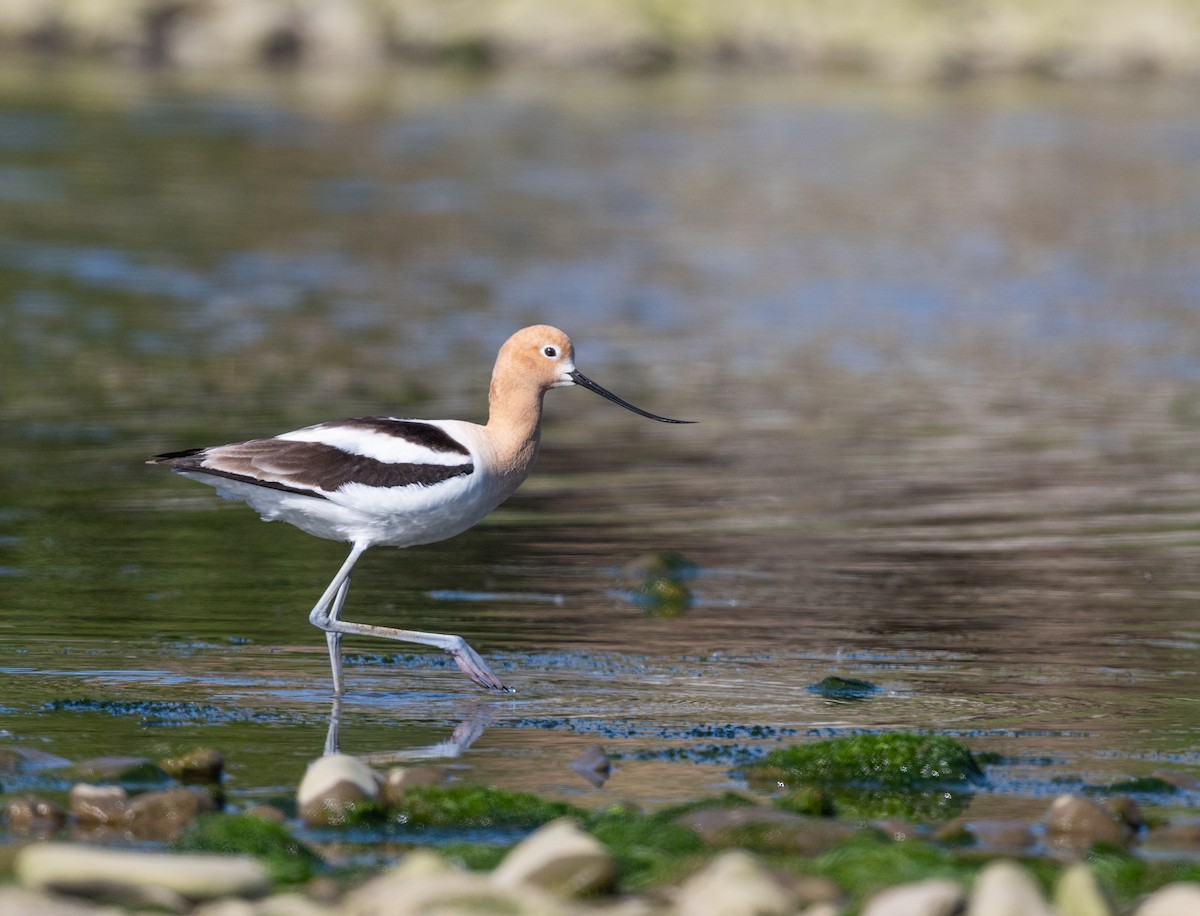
pixel 926 274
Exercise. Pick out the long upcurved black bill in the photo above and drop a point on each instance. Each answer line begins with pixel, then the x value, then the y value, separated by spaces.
pixel 580 379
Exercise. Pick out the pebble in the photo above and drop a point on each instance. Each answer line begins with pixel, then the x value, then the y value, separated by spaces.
pixel 1078 893
pixel 593 765
pixel 20 901
pixel 33 813
pixel 162 815
pixel 1075 822
pixel 1006 889
pixel 148 878
pixel 558 857
pixel 933 897
pixel 202 766
pixel 97 804
pixel 400 779
pixel 1003 836
pixel 806 836
pixel 733 884
pixel 1185 781
pixel 1175 836
pixel 334 786
pixel 1180 899
pixel 136 771
pixel 447 891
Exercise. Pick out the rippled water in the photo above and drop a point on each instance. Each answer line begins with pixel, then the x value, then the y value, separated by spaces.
pixel 942 345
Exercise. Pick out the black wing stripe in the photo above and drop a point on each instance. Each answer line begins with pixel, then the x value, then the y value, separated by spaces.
pixel 304 467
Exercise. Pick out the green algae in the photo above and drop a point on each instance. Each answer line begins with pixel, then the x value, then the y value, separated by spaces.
pixel 813 801
pixel 650 849
pixel 287 859
pixel 472 807
pixel 894 775
pixel 898 760
pixel 842 688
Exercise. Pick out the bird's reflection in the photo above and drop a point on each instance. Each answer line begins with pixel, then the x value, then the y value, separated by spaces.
pixel 472 724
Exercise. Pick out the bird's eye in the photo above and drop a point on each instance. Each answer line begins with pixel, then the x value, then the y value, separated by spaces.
pixel 550 352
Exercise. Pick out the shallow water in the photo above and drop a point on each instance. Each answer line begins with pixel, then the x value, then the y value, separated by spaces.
pixel 942 345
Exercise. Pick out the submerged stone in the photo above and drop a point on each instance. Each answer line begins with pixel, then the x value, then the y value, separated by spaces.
pixel 842 688
pixel 400 779
pixel 593 765
pixel 657 582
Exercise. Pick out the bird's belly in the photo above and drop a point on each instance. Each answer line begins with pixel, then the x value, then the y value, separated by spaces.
pixel 383 516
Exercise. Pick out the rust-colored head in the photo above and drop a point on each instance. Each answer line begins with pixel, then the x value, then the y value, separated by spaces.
pixel 538 358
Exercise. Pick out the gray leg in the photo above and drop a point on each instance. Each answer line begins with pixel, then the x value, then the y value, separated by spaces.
pixel 325 616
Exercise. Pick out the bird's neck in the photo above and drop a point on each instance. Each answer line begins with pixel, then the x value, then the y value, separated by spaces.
pixel 514 427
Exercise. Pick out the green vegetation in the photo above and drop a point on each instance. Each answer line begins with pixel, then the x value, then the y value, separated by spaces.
pixel 288 860
pixel 899 761
pixel 650 849
pixel 473 807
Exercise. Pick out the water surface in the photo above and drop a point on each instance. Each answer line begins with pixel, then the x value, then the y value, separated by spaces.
pixel 942 345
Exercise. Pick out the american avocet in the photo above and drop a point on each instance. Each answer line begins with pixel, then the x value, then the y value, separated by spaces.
pixel 383 481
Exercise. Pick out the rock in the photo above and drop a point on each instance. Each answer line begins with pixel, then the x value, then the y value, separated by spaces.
pixel 130 772
pixel 335 788
pixel 88 871
pixel 1006 889
pixel 19 759
pixel 401 779
pixel 267 812
pixel 1179 899
pixel 97 804
pixel 421 863
pixel 933 897
pixel 202 766
pixel 1185 781
pixel 1175 836
pixel 446 892
pixel 593 765
pixel 1002 836
pixel 807 836
pixel 20 901
pixel 560 858
pixel 1078 893
pixel 163 814
pixel 1077 823
pixel 1126 811
pixel 275 905
pixel 32 813
pixel 733 884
